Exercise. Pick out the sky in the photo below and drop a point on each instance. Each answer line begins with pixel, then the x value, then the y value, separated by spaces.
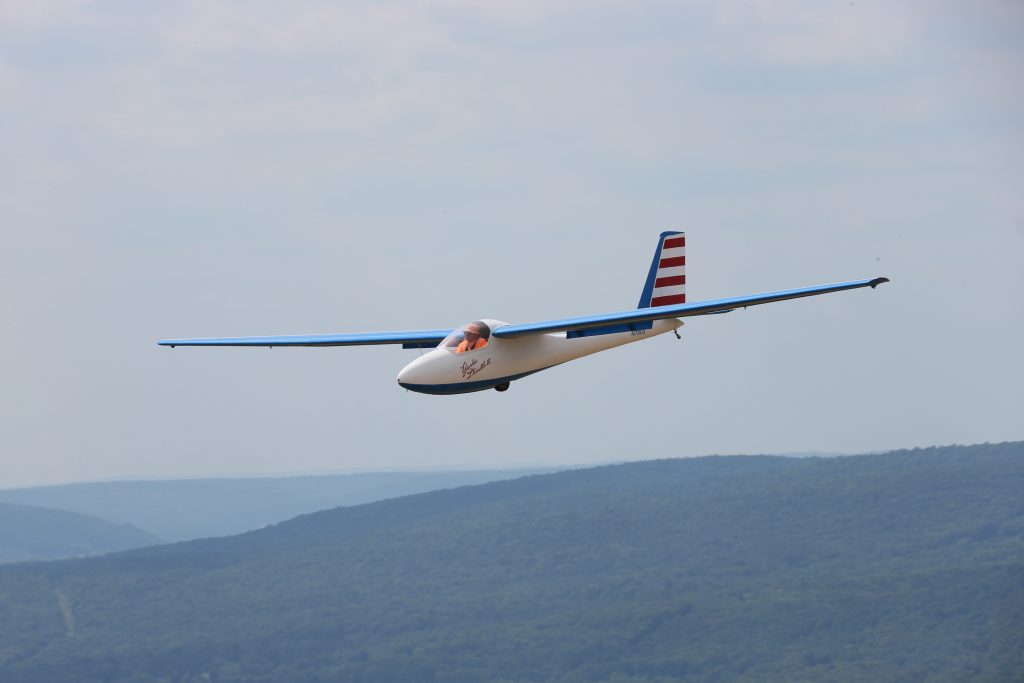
pixel 255 168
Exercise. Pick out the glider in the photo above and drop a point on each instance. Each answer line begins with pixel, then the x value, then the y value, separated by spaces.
pixel 489 354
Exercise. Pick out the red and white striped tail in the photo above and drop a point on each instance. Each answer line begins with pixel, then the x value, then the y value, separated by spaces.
pixel 666 281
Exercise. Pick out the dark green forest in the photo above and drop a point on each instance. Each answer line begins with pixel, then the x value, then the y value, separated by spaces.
pixel 905 566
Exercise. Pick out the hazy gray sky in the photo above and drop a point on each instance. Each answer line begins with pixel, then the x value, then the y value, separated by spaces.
pixel 242 168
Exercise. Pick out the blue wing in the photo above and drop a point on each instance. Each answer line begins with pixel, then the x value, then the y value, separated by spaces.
pixel 429 338
pixel 411 339
pixel 645 315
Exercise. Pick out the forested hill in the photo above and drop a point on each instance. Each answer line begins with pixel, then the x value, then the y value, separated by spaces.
pixel 903 566
pixel 28 533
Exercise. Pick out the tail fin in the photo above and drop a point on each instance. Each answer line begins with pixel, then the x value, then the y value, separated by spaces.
pixel 666 281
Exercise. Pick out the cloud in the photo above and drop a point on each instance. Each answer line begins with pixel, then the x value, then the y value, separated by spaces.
pixel 14 88
pixel 42 13
pixel 816 34
pixel 385 33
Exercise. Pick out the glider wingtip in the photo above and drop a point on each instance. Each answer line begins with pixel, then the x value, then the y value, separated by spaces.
pixel 878 281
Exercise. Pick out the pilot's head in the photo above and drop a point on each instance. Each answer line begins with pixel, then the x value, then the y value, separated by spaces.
pixel 477 329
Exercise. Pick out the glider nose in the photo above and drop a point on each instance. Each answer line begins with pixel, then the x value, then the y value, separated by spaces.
pixel 411 373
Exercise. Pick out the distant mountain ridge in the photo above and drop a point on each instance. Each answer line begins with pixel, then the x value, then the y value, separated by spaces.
pixel 185 509
pixel 902 566
pixel 31 533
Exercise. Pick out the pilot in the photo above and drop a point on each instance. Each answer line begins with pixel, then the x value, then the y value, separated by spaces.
pixel 475 336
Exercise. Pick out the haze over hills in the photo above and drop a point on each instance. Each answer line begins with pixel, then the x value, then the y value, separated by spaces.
pixel 178 510
pixel 901 566
pixel 28 532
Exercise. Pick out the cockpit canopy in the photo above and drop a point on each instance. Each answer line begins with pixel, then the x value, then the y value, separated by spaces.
pixel 470 337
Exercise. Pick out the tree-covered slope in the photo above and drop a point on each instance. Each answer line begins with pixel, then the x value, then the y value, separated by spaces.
pixel 906 566
pixel 28 533
pixel 180 510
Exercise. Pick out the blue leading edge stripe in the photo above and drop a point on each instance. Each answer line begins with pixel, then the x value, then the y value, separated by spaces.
pixel 417 337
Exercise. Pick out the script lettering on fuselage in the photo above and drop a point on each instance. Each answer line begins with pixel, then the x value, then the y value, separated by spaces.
pixel 470 368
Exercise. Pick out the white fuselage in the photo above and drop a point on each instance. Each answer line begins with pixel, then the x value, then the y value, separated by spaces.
pixel 443 371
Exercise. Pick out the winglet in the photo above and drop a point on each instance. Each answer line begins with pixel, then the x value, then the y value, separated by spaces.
pixel 877 281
